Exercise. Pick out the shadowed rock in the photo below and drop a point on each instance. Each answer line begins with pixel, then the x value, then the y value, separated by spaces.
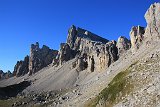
pixel 22 67
pixel 40 57
pixel 5 75
pixel 13 90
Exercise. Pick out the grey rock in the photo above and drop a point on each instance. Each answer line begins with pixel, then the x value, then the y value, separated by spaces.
pixel 137 36
pixel 112 52
pixel 5 75
pixel 8 74
pixel 22 67
pixel 1 74
pixel 64 55
pixel 82 63
pixel 123 44
pixel 89 49
pixel 92 64
pixel 40 57
pixel 152 17
pixel 75 35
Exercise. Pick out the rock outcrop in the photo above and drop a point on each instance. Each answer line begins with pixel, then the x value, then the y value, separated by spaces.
pixel 152 17
pixel 137 36
pixel 75 35
pixel 123 44
pixel 8 74
pixel 40 57
pixel 89 50
pixel 65 53
pixel 22 67
pixel 5 75
pixel 1 74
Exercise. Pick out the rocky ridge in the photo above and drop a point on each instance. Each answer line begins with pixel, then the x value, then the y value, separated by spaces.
pixel 38 59
pixel 79 63
pixel 137 85
pixel 90 50
pixel 4 75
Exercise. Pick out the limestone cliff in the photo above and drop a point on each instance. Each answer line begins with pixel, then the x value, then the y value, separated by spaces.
pixel 89 50
pixel 137 36
pixel 152 17
pixel 21 68
pixel 40 57
pixel 5 75
pixel 123 44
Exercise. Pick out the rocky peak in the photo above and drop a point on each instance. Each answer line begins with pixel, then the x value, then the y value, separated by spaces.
pixel 34 47
pixel 123 44
pixel 4 75
pixel 137 36
pixel 152 17
pixel 76 34
pixel 8 74
pixel 89 50
pixel 21 68
pixel 40 57
pixel 72 32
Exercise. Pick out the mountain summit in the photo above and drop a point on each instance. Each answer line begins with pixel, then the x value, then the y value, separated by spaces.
pixel 89 71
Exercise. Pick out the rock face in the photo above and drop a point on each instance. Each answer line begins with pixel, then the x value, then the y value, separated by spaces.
pixel 6 75
pixel 137 36
pixel 75 35
pixel 123 44
pixel 152 17
pixel 22 67
pixel 152 32
pixel 89 50
pixel 1 74
pixel 66 53
pixel 40 57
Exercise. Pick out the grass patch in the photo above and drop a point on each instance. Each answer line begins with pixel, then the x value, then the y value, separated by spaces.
pixel 119 87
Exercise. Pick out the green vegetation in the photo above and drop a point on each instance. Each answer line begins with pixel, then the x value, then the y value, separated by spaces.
pixel 119 87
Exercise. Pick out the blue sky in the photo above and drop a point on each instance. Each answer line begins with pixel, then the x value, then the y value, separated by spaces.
pixel 23 22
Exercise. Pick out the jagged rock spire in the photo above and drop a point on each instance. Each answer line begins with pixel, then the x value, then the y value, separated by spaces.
pixel 136 36
pixel 152 17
